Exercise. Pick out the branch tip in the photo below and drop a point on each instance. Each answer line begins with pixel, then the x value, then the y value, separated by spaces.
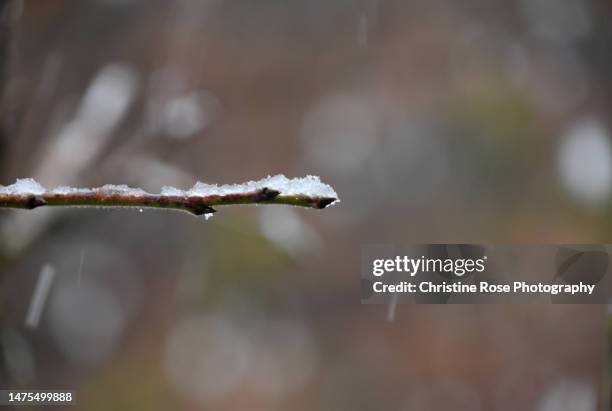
pixel 324 202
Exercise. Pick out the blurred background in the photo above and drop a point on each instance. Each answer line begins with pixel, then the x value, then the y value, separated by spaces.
pixel 435 121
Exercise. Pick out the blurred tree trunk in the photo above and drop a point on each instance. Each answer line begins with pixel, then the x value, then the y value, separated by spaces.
pixel 9 14
pixel 607 398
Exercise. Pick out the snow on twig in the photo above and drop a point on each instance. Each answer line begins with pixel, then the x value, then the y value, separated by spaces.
pixel 308 191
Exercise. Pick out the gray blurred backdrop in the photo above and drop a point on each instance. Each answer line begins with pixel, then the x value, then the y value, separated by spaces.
pixel 436 121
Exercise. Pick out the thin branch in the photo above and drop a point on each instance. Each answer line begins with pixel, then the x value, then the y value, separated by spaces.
pixel 194 203
pixel 197 205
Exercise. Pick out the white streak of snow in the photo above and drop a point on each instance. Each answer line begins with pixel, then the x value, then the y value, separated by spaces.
pixel 120 189
pixel 310 186
pixel 23 186
pixel 171 191
pixel 43 285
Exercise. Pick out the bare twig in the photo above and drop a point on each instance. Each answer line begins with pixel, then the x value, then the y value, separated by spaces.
pixel 195 204
pixel 8 24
